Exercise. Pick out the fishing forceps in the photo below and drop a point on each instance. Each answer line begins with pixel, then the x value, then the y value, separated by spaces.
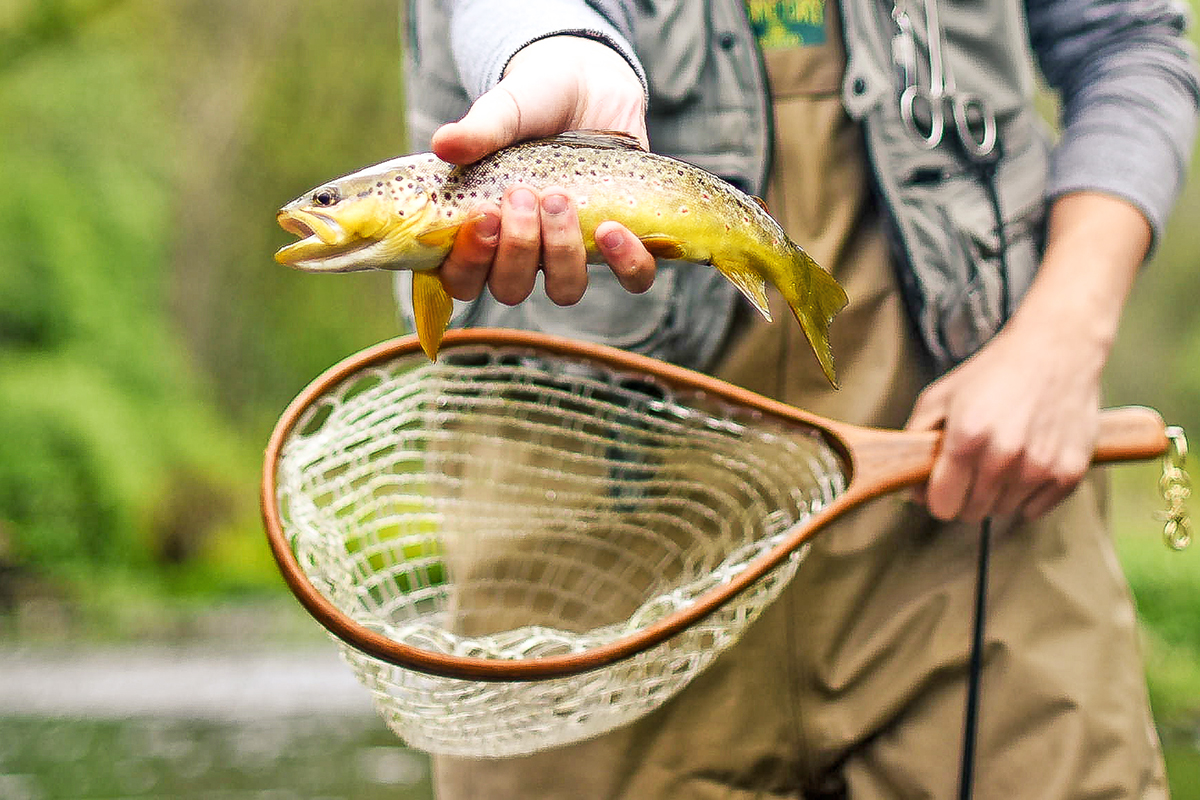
pixel 973 119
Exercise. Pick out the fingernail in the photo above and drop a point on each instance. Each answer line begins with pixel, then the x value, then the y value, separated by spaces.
pixel 523 200
pixel 487 226
pixel 613 241
pixel 554 203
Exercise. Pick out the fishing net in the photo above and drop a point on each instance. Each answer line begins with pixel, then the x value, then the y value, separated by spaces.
pixel 510 506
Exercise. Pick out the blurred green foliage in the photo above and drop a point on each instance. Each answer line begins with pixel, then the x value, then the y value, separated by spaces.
pixel 148 340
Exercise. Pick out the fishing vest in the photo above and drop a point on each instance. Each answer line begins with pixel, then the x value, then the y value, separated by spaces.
pixel 708 105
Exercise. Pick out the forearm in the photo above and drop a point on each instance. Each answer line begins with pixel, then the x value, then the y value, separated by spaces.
pixel 1095 246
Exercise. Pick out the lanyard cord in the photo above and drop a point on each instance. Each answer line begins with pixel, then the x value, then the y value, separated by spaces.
pixel 987 176
pixel 966 781
pixel 986 170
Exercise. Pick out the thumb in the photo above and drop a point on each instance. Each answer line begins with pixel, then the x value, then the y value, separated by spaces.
pixel 493 122
pixel 929 412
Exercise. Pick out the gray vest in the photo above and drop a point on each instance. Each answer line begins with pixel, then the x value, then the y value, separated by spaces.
pixel 708 105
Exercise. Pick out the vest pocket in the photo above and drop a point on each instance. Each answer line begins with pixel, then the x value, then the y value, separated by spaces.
pixel 962 275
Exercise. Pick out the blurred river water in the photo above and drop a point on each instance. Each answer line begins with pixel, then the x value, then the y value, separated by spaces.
pixel 191 723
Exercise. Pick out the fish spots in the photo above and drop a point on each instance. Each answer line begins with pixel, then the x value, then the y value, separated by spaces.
pixel 684 210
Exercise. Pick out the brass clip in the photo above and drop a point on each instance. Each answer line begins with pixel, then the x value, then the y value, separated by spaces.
pixel 1175 487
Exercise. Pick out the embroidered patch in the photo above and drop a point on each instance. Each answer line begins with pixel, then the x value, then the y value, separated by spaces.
pixel 787 23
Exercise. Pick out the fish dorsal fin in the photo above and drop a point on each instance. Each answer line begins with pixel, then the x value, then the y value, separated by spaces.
pixel 761 203
pixel 604 140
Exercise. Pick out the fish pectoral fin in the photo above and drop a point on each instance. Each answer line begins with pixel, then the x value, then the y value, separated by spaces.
pixel 749 282
pixel 432 307
pixel 661 245
pixel 439 237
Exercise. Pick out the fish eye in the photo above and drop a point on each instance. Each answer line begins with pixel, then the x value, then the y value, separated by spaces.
pixel 326 196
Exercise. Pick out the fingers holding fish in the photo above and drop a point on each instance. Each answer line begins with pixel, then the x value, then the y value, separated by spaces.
pixel 519 252
pixel 564 259
pixel 503 247
pixel 628 258
pixel 464 273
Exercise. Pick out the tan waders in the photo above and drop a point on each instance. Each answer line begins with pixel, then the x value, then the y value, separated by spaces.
pixel 853 683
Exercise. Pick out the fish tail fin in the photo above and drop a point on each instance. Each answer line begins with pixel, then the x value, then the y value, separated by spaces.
pixel 814 297
pixel 432 307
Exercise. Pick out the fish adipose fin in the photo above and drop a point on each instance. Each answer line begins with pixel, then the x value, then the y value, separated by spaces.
pixel 815 308
pixel 749 282
pixel 432 307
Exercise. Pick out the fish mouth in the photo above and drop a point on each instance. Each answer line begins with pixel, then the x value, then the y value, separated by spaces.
pixel 321 238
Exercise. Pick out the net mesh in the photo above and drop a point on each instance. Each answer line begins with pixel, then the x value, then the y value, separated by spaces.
pixel 504 504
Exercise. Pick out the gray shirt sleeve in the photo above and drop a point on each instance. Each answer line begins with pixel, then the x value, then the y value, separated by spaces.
pixel 486 34
pixel 1127 79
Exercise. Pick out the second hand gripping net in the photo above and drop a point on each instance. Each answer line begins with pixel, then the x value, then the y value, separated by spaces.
pixel 507 505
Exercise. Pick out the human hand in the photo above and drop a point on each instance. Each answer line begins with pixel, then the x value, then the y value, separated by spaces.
pixel 1019 422
pixel 553 85
pixel 1019 418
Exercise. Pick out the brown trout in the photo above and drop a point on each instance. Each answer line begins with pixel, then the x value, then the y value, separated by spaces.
pixel 406 212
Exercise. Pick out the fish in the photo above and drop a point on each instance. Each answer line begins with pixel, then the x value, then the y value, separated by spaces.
pixel 405 213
